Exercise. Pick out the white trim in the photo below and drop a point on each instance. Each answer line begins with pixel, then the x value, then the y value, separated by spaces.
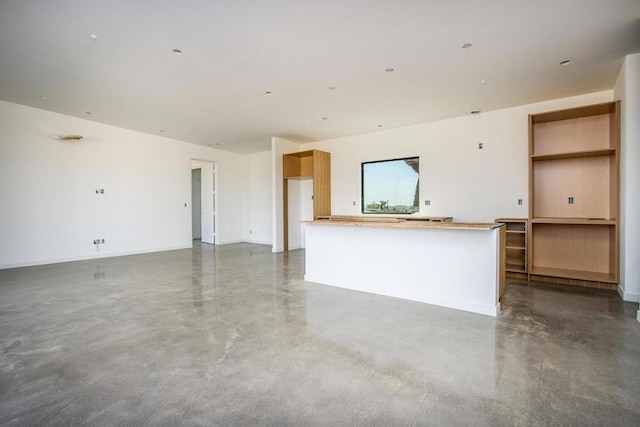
pixel 92 256
pixel 230 242
pixel 628 296
pixel 259 242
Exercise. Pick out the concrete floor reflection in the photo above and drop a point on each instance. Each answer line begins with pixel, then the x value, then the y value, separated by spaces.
pixel 232 335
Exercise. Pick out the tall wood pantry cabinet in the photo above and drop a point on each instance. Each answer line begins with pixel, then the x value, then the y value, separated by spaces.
pixel 312 164
pixel 574 162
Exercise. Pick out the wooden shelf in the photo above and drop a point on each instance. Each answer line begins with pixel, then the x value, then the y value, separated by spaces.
pixel 575 113
pixel 520 248
pixel 515 268
pixel 574 221
pixel 517 231
pixel 574 274
pixel 574 155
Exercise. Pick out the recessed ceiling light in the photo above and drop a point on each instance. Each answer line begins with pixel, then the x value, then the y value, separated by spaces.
pixel 219 143
pixel 162 130
pixel 332 88
pixel 483 82
pixel 389 70
pixel 44 97
pixel 476 111
pixel 380 126
pixel 306 123
pixel 565 62
pixel 93 37
pixel 177 51
pixel 466 45
pixel 325 118
pixel 269 93
pixel 88 112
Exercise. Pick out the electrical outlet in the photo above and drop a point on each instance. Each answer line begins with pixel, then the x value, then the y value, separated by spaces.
pixel 354 203
pixel 519 201
pixel 480 146
pixel 101 240
pixel 250 231
pixel 427 202
pixel 96 241
pixel 570 200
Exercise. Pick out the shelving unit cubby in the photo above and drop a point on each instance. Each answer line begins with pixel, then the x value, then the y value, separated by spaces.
pixel 574 196
pixel 515 246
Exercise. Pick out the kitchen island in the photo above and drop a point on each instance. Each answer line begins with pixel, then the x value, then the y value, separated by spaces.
pixel 455 265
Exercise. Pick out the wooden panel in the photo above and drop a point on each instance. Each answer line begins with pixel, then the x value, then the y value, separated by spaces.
pixel 502 262
pixel 586 179
pixel 517 275
pixel 306 166
pixel 579 134
pixel 574 282
pixel 572 248
pixel 321 183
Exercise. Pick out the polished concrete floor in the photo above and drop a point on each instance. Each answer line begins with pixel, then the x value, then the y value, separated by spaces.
pixel 231 335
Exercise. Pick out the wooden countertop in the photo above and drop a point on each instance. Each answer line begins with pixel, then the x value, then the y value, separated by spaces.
pixel 400 223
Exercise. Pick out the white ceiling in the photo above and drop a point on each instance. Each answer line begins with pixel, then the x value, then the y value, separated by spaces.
pixel 236 50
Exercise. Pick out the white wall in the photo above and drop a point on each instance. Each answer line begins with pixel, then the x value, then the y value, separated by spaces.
pixel 627 89
pixel 459 179
pixel 49 211
pixel 258 200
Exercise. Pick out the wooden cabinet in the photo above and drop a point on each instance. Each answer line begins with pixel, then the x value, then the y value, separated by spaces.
pixel 574 196
pixel 515 246
pixel 312 164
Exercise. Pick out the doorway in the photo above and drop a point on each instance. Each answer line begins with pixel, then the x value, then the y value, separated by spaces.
pixel 203 201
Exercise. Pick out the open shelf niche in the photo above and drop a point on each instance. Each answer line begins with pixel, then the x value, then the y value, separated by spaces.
pixel 574 231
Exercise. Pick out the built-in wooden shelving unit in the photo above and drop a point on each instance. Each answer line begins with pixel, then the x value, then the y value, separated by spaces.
pixel 515 246
pixel 574 196
pixel 312 164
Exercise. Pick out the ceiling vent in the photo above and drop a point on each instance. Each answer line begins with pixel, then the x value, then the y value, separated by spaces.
pixel 66 137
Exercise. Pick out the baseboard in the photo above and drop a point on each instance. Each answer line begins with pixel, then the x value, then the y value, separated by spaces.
pixel 628 296
pixel 92 256
pixel 259 242
pixel 229 242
